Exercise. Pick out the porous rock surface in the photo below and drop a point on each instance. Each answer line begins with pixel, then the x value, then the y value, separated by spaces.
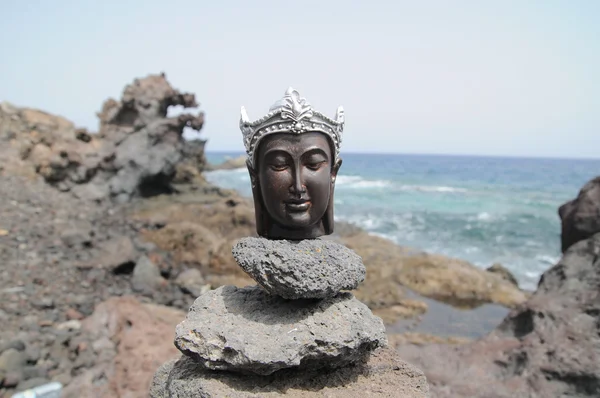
pixel 310 268
pixel 250 331
pixel 580 217
pixel 383 375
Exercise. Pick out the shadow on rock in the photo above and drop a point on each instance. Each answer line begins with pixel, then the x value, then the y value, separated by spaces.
pixel 256 305
pixel 383 374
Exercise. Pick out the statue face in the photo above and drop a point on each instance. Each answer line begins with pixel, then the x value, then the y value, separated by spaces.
pixel 296 175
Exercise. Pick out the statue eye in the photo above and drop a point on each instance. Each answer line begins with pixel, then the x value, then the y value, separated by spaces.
pixel 315 165
pixel 278 166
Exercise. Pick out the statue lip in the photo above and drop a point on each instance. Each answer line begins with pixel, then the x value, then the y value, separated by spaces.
pixel 297 205
pixel 296 201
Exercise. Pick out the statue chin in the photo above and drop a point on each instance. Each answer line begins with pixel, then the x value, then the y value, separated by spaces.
pixel 277 231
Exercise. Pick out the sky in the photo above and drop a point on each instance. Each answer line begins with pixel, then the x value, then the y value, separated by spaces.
pixel 499 78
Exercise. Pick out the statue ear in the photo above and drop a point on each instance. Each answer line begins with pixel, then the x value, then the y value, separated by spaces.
pixel 328 217
pixel 261 216
pixel 335 169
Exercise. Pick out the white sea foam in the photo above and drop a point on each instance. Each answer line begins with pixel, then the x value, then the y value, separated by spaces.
pixel 432 188
pixel 484 216
pixel 532 275
pixel 546 259
pixel 360 183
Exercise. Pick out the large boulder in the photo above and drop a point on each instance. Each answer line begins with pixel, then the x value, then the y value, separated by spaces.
pixel 547 347
pixel 130 341
pixel 383 375
pixel 580 217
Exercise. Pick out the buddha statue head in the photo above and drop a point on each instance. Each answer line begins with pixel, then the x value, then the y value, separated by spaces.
pixel 293 160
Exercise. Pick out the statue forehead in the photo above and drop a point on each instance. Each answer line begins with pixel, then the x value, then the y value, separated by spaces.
pixel 298 143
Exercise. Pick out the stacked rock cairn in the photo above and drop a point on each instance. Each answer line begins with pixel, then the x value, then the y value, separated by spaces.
pixel 299 331
pixel 300 318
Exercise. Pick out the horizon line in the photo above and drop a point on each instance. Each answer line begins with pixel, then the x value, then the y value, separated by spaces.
pixel 458 155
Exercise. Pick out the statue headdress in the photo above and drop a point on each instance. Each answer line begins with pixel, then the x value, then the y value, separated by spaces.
pixel 291 114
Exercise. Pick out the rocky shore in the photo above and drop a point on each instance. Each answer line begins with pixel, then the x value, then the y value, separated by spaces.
pixel 549 346
pixel 107 238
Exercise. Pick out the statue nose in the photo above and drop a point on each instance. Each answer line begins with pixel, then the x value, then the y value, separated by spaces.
pixel 298 187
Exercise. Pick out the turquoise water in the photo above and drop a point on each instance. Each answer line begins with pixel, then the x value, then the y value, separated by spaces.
pixel 483 210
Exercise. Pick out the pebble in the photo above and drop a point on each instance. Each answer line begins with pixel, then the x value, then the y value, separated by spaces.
pixel 63 378
pixel 11 379
pixel 34 353
pixel 12 360
pixel 73 314
pixel 44 303
pixel 32 372
pixel 18 345
pixel 32 383
pixel 69 325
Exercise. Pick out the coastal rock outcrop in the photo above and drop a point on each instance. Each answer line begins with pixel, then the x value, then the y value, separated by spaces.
pixel 580 217
pixel 503 272
pixel 229 164
pixel 135 153
pixel 312 268
pixel 449 280
pixel 547 347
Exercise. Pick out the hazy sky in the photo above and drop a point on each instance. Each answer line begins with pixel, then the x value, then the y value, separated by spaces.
pixel 455 77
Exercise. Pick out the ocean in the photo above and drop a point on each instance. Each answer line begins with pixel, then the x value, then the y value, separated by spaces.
pixel 481 209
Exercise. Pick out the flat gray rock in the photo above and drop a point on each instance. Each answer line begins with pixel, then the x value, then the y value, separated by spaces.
pixel 249 331
pixel 310 268
pixel 383 375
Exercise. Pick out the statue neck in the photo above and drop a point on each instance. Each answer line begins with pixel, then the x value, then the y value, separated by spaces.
pixel 279 232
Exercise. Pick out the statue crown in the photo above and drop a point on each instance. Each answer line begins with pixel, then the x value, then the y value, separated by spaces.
pixel 291 114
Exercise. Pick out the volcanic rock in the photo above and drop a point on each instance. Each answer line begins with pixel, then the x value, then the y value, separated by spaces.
pixel 503 272
pixel 135 153
pixel 146 276
pixel 580 217
pixel 248 330
pixel 130 341
pixel 191 281
pixel 310 268
pixel 384 374
pixel 12 360
pixel 547 347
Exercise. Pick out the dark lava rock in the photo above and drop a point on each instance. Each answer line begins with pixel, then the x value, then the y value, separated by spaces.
pixel 18 345
pixel 12 360
pixel 580 217
pixel 384 374
pixel 547 347
pixel 310 268
pixel 248 330
pixel 146 276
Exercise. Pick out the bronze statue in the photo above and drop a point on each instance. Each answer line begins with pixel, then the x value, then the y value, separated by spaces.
pixel 293 160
